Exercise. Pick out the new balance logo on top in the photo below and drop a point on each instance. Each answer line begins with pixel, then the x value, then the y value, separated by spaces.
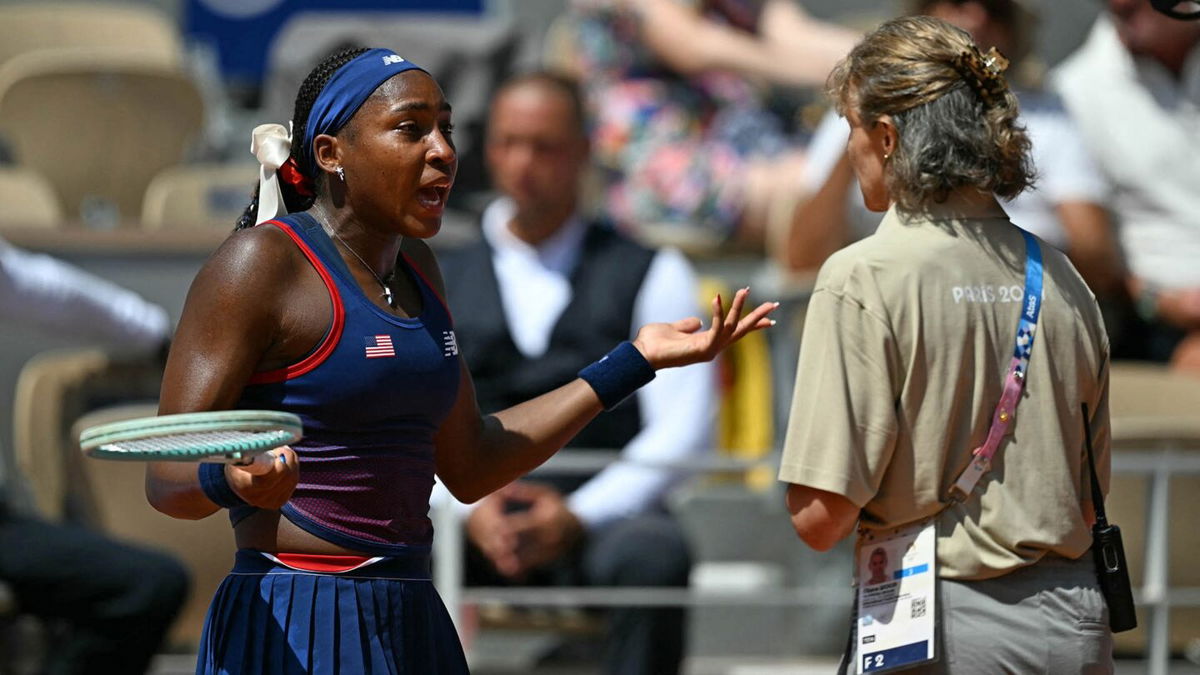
pixel 392 58
pixel 379 346
pixel 449 343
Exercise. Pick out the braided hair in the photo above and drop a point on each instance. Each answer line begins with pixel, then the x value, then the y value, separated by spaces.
pixel 309 90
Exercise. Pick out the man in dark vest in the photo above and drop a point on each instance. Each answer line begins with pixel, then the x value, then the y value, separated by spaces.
pixel 543 294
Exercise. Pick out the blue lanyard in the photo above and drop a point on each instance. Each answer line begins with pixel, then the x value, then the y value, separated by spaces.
pixel 1014 379
pixel 1032 305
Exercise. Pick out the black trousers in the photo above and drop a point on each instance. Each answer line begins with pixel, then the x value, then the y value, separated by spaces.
pixel 647 550
pixel 114 602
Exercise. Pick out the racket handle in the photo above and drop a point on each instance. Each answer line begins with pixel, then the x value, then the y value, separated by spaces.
pixel 258 464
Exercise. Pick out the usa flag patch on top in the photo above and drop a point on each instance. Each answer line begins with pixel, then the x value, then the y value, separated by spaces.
pixel 379 346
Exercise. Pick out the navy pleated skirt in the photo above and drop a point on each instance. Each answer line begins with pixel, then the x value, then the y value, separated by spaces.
pixel 385 617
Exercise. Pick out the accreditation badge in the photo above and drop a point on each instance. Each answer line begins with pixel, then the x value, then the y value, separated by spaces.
pixel 896 572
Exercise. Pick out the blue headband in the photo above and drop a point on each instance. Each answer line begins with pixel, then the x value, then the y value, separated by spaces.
pixel 344 94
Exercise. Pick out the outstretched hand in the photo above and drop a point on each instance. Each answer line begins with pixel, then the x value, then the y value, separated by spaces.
pixel 667 345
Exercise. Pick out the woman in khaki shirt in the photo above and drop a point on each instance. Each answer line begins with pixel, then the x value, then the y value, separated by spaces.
pixel 904 355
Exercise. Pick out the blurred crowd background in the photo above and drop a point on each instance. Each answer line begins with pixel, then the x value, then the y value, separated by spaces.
pixel 124 150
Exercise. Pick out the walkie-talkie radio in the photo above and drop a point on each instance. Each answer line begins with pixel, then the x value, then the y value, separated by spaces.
pixel 1109 552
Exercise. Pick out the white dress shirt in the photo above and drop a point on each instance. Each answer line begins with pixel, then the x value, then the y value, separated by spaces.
pixel 1142 125
pixel 678 408
pixel 53 295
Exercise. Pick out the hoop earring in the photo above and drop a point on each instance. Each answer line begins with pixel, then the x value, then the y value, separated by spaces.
pixel 341 174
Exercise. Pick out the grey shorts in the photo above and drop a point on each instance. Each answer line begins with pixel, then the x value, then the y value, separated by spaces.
pixel 1046 618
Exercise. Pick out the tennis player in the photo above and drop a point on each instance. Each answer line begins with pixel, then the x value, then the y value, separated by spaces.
pixel 332 309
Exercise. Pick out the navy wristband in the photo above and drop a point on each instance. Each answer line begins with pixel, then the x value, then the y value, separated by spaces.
pixel 620 373
pixel 216 486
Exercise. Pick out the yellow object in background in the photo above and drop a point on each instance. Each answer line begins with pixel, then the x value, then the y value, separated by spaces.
pixel 745 423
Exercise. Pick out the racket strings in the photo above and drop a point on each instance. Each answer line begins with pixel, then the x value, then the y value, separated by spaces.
pixel 203 442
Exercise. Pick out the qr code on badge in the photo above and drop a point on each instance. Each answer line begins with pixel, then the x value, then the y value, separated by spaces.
pixel 918 608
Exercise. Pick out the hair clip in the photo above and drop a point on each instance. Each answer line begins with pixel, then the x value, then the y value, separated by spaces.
pixel 984 72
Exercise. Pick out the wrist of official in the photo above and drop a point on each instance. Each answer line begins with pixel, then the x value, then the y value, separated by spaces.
pixel 215 486
pixel 618 375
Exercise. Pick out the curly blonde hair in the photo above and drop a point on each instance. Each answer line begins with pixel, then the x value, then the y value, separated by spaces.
pixel 954 131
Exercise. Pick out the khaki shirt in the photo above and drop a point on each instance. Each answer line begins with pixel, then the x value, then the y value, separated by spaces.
pixel 906 342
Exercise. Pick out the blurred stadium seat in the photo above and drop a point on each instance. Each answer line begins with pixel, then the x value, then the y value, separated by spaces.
pixel 61 392
pixel 98 124
pixel 28 198
pixel 53 389
pixel 32 26
pixel 116 500
pixel 198 196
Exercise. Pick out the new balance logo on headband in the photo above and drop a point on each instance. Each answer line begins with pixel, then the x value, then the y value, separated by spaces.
pixel 392 58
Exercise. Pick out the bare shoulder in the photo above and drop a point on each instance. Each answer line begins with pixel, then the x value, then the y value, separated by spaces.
pixel 421 256
pixel 250 258
pixel 247 271
pixel 255 252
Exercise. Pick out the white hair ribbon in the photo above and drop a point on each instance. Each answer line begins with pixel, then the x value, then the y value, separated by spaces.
pixel 272 145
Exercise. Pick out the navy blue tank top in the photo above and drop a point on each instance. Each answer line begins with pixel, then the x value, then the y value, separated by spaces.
pixel 371 395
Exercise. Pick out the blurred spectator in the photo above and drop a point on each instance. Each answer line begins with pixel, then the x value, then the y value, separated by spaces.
pixel 55 296
pixel 1065 208
pixel 542 295
pixel 1134 89
pixel 675 91
pixel 113 602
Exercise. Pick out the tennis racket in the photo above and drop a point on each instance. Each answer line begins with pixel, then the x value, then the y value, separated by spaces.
pixel 234 436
